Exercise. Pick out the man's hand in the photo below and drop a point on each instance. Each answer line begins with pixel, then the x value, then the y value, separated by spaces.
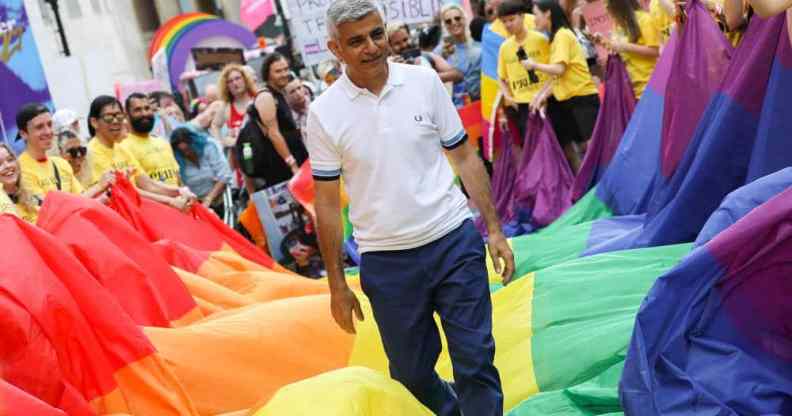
pixel 342 304
pixel 501 253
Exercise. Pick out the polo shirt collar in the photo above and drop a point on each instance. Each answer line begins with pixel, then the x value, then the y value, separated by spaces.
pixel 395 78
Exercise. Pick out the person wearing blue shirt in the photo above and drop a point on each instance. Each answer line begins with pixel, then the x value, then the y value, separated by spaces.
pixel 203 168
pixel 461 51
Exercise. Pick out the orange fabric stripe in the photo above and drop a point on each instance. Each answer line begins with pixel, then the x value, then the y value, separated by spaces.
pixel 146 387
pixel 221 360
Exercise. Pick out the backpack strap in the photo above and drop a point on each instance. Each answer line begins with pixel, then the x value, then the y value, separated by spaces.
pixel 57 175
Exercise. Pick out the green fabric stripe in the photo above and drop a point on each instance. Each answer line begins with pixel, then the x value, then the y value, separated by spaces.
pixel 347 224
pixel 598 396
pixel 537 251
pixel 562 240
pixel 584 311
pixel 588 208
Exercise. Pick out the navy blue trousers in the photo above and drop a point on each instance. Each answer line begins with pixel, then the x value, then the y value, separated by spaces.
pixel 406 288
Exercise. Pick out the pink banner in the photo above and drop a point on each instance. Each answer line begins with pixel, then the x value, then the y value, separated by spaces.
pixel 254 13
pixel 598 21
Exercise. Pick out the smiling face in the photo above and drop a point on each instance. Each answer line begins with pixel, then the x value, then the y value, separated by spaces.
pixel 454 22
pixel 9 169
pixel 362 45
pixel 39 133
pixel 110 123
pixel 399 41
pixel 279 74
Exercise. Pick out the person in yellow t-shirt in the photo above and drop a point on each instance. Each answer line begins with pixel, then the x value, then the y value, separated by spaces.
pixel 153 153
pixel 14 199
pixel 571 96
pixel 41 173
pixel 518 85
pixel 635 38
pixel 106 125
pixel 662 13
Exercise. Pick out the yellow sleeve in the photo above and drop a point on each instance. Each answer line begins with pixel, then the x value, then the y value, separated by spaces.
pixel 649 32
pixel 561 51
pixel 6 205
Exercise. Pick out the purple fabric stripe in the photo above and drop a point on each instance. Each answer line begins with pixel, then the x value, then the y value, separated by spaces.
pixel 748 83
pixel 757 253
pixel 698 71
pixel 612 120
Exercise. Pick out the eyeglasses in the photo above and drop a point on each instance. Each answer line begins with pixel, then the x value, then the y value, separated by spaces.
pixel 453 19
pixel 77 152
pixel 111 118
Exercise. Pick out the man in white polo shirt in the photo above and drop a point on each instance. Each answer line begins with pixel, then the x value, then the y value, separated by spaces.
pixel 384 128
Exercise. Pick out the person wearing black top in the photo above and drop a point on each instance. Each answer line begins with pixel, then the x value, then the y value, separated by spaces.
pixel 274 115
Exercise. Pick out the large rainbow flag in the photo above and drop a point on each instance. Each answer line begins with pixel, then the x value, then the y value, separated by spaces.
pixel 134 308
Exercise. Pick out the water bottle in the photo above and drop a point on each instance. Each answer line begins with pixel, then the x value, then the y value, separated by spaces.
pixel 247 157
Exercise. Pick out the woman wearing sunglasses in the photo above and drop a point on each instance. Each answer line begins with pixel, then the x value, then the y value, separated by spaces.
pixel 202 166
pixel 73 151
pixel 461 51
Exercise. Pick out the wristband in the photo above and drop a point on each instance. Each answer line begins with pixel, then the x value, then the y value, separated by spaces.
pixel 290 161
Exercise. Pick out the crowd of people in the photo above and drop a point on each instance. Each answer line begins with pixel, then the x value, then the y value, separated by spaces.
pixel 248 132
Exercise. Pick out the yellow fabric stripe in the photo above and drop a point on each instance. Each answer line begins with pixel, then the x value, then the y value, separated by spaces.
pixel 353 391
pixel 512 329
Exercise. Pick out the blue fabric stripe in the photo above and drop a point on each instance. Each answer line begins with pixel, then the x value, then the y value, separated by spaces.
pixel 490 46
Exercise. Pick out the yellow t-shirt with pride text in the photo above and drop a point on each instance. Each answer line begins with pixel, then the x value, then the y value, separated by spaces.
pixel 576 80
pixel 640 67
pixel 52 174
pixel 155 157
pixel 102 159
pixel 536 47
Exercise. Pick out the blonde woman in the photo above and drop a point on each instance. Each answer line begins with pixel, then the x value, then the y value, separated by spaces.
pixel 237 89
pixel 14 199
pixel 460 50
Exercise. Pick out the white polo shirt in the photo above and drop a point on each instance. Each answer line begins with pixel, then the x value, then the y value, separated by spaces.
pixel 389 150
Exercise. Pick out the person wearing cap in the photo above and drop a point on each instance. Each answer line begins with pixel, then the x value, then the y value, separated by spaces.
pixel 42 173
pixel 66 119
pixel 105 157
pixel 153 153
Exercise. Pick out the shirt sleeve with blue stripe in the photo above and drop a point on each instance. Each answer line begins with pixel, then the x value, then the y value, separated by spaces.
pixel 446 117
pixel 324 156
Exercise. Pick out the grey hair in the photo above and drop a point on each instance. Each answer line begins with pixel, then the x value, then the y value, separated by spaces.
pixel 343 11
